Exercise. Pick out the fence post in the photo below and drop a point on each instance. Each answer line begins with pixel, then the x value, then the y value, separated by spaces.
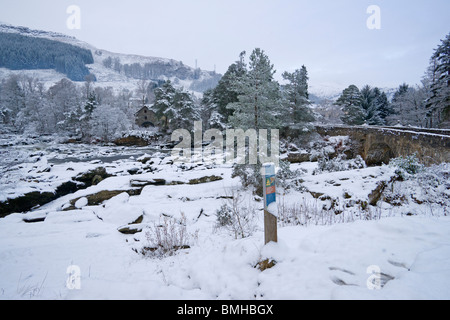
pixel 270 203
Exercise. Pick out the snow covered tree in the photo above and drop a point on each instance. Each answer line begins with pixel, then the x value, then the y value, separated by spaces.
pixel 36 116
pixel 438 104
pixel 350 101
pixel 217 99
pixel 259 95
pixel 90 105
pixel 164 99
pixel 408 106
pixel 12 99
pixel 183 112
pixel 369 104
pixel 175 106
pixel 85 125
pixel 144 91
pixel 65 98
pixel 382 105
pixel 107 121
pixel 209 111
pixel 296 98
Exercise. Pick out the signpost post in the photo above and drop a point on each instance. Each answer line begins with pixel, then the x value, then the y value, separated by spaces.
pixel 270 204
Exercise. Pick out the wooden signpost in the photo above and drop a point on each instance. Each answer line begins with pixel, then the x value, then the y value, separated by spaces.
pixel 270 204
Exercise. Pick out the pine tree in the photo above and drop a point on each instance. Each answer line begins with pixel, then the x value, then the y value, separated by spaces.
pixel 369 104
pixel 350 101
pixel 175 107
pixel 296 98
pixel 217 99
pixel 90 105
pixel 183 112
pixel 164 99
pixel 438 105
pixel 259 95
pixel 382 105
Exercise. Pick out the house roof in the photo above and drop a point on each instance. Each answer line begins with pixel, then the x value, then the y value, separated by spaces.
pixel 144 107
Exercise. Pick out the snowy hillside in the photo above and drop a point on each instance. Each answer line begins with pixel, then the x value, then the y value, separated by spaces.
pixel 180 74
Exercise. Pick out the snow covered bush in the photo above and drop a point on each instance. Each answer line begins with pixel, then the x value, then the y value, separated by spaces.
pixel 250 175
pixel 325 164
pixel 165 238
pixel 424 190
pixel 224 216
pixel 287 178
pixel 237 217
pixel 324 211
pixel 408 165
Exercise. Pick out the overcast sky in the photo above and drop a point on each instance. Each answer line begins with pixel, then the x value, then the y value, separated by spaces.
pixel 330 37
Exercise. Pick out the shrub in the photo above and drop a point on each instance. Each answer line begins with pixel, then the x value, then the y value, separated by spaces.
pixel 408 165
pixel 237 217
pixel 224 216
pixel 165 238
pixel 250 175
pixel 324 164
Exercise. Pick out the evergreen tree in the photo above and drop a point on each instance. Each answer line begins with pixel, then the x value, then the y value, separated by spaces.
pixel 382 105
pixel 259 95
pixel 86 116
pixel 438 104
pixel 369 104
pixel 164 99
pixel 217 99
pixel 296 98
pixel 350 101
pixel 90 105
pixel 183 112
pixel 402 89
pixel 175 107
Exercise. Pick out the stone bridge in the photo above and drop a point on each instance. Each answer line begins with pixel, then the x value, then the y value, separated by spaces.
pixel 378 145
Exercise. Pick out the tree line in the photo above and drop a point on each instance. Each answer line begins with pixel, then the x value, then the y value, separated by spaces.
pixel 247 96
pixel 424 105
pixel 65 108
pixel 18 52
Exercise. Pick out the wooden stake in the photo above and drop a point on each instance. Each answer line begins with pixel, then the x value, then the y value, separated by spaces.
pixel 270 227
pixel 270 220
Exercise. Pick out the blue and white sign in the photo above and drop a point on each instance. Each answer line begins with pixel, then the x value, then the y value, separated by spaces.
pixel 268 172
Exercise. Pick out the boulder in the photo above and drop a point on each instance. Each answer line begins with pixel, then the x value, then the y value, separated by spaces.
pixel 99 197
pixel 205 179
pixel 92 177
pixel 295 157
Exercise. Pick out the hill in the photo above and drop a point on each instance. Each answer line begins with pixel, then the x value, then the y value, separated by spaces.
pixel 110 69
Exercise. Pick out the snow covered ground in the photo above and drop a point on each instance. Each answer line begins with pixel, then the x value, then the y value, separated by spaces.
pixel 331 243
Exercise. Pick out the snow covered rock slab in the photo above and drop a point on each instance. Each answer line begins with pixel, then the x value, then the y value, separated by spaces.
pixel 72 216
pixel 35 216
pixel 118 211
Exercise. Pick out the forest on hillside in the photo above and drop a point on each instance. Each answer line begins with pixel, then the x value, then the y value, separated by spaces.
pixel 19 52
